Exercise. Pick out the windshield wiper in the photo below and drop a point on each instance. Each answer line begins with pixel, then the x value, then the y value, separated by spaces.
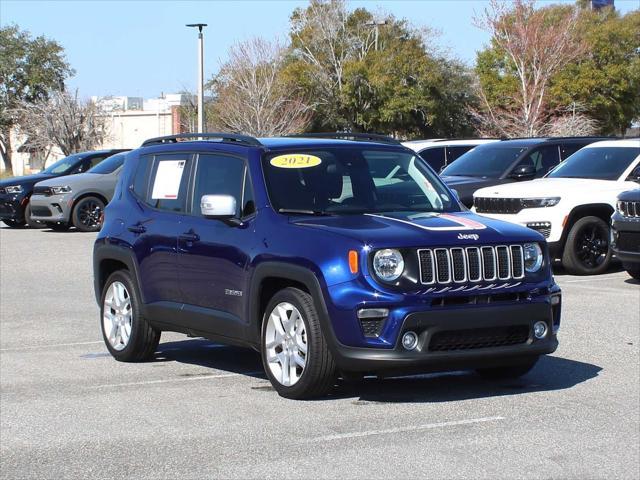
pixel 296 211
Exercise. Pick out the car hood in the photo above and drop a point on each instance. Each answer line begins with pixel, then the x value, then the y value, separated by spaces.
pixel 453 180
pixel 421 229
pixel 25 180
pixel 551 187
pixel 70 180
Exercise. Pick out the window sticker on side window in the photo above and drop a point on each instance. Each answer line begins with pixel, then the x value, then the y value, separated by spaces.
pixel 295 160
pixel 167 182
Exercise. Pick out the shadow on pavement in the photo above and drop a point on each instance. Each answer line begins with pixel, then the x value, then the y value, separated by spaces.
pixel 551 373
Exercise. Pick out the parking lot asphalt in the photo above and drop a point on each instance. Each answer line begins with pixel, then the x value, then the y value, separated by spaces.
pixel 68 410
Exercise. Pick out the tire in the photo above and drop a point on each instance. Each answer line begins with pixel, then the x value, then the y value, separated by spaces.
pixel 14 223
pixel 318 374
pixel 27 218
pixel 87 214
pixel 510 372
pixel 58 227
pixel 142 337
pixel 633 270
pixel 587 250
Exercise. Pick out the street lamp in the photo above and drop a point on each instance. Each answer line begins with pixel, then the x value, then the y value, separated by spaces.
pixel 376 24
pixel 200 26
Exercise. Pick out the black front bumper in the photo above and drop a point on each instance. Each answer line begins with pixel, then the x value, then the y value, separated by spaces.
pixel 626 238
pixel 428 324
pixel 11 207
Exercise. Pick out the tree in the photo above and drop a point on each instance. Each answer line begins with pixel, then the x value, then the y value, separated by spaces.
pixel 64 121
pixel 528 47
pixel 30 68
pixel 251 96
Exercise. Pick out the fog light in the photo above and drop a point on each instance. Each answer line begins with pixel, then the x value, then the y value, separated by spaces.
pixel 555 300
pixel 540 330
pixel 410 340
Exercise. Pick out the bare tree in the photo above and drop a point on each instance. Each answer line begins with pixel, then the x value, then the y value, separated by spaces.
pixel 572 122
pixel 536 46
pixel 251 97
pixel 64 121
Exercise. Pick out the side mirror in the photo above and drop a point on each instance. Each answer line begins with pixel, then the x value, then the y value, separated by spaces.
pixel 221 207
pixel 634 176
pixel 523 172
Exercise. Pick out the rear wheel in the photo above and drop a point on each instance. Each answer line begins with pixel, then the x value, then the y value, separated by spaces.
pixel 587 251
pixel 295 354
pixel 87 214
pixel 126 332
pixel 509 372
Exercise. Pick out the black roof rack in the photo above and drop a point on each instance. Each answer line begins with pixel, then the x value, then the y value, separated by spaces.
pixel 219 137
pixel 358 137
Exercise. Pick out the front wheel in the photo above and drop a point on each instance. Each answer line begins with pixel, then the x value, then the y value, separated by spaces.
pixel 128 335
pixel 87 214
pixel 295 354
pixel 587 249
pixel 509 372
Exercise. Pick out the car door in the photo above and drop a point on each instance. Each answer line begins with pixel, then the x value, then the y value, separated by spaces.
pixel 161 187
pixel 214 255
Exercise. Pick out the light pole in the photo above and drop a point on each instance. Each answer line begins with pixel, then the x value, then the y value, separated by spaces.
pixel 200 26
pixel 376 24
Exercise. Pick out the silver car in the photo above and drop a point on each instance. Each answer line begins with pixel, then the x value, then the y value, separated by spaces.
pixel 77 200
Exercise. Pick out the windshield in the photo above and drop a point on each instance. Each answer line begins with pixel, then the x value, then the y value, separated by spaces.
pixel 64 164
pixel 598 163
pixel 484 161
pixel 108 165
pixel 350 181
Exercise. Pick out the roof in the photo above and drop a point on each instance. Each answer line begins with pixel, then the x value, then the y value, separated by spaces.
pixel 293 142
pixel 422 144
pixel 627 143
pixel 530 142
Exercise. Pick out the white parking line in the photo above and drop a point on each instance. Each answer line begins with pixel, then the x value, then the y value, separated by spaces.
pixel 170 380
pixel 592 279
pixel 412 428
pixel 54 345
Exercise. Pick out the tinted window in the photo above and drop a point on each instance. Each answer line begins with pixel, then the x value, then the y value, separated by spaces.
pixel 109 165
pixel 346 181
pixel 453 153
pixel 434 157
pixel 140 183
pixel 64 164
pixel 484 161
pixel 600 163
pixel 567 150
pixel 542 159
pixel 218 175
pixel 248 201
pixel 169 179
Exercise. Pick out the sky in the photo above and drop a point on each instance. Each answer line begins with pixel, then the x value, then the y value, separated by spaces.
pixel 143 49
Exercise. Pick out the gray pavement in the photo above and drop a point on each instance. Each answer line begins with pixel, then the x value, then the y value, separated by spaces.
pixel 68 410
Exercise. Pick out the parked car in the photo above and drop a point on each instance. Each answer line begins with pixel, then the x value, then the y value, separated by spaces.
pixel 573 204
pixel 292 247
pixel 440 152
pixel 15 192
pixel 508 161
pixel 625 231
pixel 77 200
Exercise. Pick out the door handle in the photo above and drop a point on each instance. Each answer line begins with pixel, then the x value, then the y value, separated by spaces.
pixel 137 228
pixel 189 237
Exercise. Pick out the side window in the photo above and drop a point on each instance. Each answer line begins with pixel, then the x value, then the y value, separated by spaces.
pixel 248 201
pixel 542 159
pixel 454 152
pixel 218 174
pixel 169 179
pixel 88 164
pixel 434 157
pixel 140 184
pixel 568 150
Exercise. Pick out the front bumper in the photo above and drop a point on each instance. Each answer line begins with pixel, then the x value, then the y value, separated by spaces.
pixel 548 221
pixel 12 206
pixel 625 238
pixel 51 209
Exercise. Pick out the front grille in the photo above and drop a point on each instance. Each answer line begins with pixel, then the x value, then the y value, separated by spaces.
pixel 629 209
pixel 40 211
pixel 371 326
pixel 628 241
pixel 476 338
pixel 497 205
pixel 42 191
pixel 471 264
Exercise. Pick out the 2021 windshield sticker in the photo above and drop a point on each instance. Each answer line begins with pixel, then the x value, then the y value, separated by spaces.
pixel 167 182
pixel 295 160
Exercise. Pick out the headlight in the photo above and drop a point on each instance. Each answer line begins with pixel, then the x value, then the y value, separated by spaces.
pixel 388 264
pixel 14 189
pixel 532 257
pixel 59 190
pixel 540 202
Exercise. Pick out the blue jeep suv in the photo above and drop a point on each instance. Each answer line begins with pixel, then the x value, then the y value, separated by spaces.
pixel 331 255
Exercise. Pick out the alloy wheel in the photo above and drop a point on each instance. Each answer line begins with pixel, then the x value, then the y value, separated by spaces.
pixel 592 245
pixel 117 316
pixel 90 214
pixel 286 344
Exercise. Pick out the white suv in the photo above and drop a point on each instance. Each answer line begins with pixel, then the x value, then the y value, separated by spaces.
pixel 440 152
pixel 572 205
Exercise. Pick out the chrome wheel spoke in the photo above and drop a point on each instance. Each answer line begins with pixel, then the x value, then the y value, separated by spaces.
pixel 285 344
pixel 117 316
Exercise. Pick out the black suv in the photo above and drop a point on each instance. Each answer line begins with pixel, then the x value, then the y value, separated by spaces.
pixel 509 161
pixel 625 232
pixel 15 192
